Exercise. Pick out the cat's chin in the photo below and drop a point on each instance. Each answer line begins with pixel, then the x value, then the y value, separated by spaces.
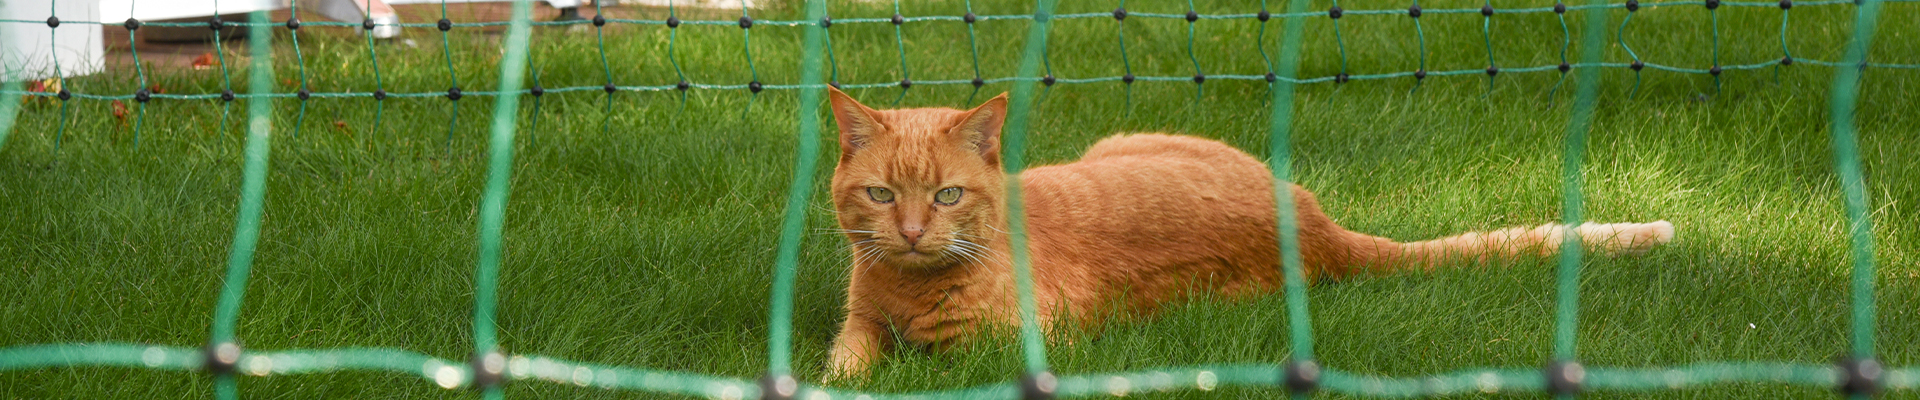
pixel 915 260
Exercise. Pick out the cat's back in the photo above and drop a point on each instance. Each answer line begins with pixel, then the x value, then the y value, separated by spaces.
pixel 1151 199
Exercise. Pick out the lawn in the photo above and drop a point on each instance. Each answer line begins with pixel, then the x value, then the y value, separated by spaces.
pixel 641 226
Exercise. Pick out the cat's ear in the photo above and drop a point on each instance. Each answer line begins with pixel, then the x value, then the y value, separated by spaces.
pixel 856 121
pixel 979 130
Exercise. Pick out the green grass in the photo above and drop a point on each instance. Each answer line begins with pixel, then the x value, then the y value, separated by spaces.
pixel 644 237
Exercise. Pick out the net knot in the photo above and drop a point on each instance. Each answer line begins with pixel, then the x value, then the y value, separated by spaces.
pixel 214 24
pixel 599 20
pixel 1419 74
pixel 609 88
pixel 1494 70
pixel 453 93
pixel 827 22
pixel 1192 16
pixel 366 24
pixel 1786 60
pixel 673 22
pixel 682 86
pixel 1713 4
pixel 53 22
pixel 1559 8
pixel 1564 377
pixel 969 18
pixel 1715 70
pixel 1199 78
pixel 1340 78
pixel 1486 10
pixel 1335 12
pixel 1414 11
pixel 1786 4
pixel 754 87
pixel 489 369
pixel 225 95
pixel 1120 14
pixel 1637 65
pixel 143 95
pixel 906 83
pixel 1270 78
pixel 66 95
pixel 293 23
pixel 1038 386
pixel 379 94
pixel 536 90
pixel 778 387
pixel 1264 15
pixel 1633 5
pixel 1564 67
pixel 1128 78
pixel 977 82
pixel 444 25
pixel 897 19
pixel 746 22
pixel 1860 377
pixel 132 24
pixel 1301 377
pixel 1047 80
pixel 303 94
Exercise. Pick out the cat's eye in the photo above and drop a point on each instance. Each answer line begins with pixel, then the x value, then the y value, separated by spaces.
pixel 880 194
pixel 947 196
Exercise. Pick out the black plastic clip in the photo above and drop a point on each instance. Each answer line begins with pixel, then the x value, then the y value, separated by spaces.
pixel 1335 12
pixel 536 90
pixel 1637 65
pixel 673 22
pixel 1786 60
pixel 1564 377
pixel 1486 10
pixel 143 95
pixel 906 83
pixel 778 387
pixel 753 86
pixel 489 370
pixel 379 94
pixel 1564 67
pixel 1192 16
pixel 453 93
pixel 682 86
pixel 293 24
pixel 1270 78
pixel 897 19
pixel 1414 11
pixel 1340 78
pixel 1786 4
pixel 53 22
pixel 1301 377
pixel 1038 386
pixel 1120 14
pixel 599 20
pixel 225 95
pixel 746 22
pixel 1860 377
pixel 1264 15
pixel 1419 74
pixel 221 358
pixel 970 18
pixel 977 82
pixel 215 23
pixel 826 22
pixel 303 94
pixel 1491 71
pixel 1713 4
pixel 1199 78
pixel 1559 8
pixel 132 24
pixel 1633 5
pixel 366 24
pixel 444 25
pixel 609 88
pixel 1715 70
pixel 1047 80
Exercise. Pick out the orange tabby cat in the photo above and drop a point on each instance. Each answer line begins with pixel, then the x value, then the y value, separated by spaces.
pixel 1137 221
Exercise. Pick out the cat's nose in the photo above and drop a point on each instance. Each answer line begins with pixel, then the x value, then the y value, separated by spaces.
pixel 912 234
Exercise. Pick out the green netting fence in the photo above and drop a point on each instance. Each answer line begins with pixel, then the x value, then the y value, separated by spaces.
pixel 1856 374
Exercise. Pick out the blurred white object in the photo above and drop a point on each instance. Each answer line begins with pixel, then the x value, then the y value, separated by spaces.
pixel 155 10
pixel 356 11
pixel 30 50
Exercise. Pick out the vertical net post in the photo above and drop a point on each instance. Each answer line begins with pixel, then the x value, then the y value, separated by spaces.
pixel 253 193
pixel 1280 163
pixel 10 92
pixel 1564 374
pixel 1846 150
pixel 1013 153
pixel 792 229
pixel 493 203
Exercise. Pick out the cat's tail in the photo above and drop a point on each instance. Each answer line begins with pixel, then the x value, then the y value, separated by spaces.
pixel 1525 243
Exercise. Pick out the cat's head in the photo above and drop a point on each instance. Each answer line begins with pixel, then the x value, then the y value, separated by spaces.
pixel 919 188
